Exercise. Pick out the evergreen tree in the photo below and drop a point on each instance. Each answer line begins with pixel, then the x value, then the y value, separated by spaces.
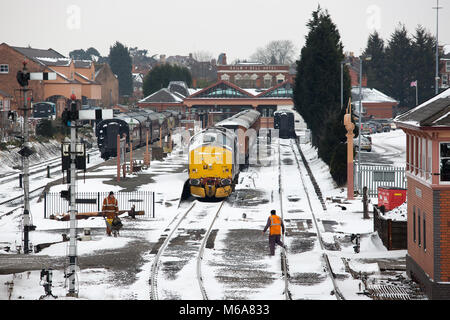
pixel 399 66
pixel 120 63
pixel 375 69
pixel 160 76
pixel 423 56
pixel 317 90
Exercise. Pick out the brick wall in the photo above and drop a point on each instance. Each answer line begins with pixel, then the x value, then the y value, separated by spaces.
pixel 420 197
pixel 444 236
pixel 8 81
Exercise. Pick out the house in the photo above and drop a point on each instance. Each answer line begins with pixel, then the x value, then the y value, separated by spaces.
pixel 170 98
pixel 353 64
pixel 72 76
pixel 427 129
pixel 444 71
pixel 109 83
pixel 375 104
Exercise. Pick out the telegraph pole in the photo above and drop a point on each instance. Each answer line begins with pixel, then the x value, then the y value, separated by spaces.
pixel 437 47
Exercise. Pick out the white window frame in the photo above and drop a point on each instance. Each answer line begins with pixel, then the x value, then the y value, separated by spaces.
pixel 440 158
pixel 445 79
pixel 2 66
pixel 429 160
pixel 447 66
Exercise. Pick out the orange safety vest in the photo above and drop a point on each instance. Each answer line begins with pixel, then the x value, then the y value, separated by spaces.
pixel 275 225
pixel 110 207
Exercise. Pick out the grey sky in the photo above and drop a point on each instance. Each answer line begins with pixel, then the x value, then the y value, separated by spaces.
pixel 236 27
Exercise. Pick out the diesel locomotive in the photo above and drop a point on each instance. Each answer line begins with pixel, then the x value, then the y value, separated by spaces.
pixel 216 155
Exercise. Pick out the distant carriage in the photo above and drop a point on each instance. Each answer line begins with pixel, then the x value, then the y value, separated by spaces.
pixel 44 110
pixel 134 125
pixel 284 121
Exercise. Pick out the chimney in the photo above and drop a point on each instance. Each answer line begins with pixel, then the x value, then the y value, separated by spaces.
pixel 162 58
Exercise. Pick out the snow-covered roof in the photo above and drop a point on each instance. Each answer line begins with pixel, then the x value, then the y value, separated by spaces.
pixel 55 61
pixel 162 95
pixel 432 113
pixel 371 95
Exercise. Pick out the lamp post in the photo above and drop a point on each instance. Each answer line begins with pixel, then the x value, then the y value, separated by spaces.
pixel 361 58
pixel 437 47
pixel 342 81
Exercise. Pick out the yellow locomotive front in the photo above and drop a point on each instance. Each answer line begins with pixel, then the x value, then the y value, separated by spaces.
pixel 213 168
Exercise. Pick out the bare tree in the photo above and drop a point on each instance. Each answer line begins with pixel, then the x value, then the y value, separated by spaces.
pixel 202 56
pixel 275 52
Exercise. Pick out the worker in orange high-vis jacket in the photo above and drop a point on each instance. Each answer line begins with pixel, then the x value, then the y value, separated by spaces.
pixel 110 211
pixel 276 225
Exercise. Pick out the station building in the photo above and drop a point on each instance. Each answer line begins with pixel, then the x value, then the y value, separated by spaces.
pixel 427 129
pixel 220 101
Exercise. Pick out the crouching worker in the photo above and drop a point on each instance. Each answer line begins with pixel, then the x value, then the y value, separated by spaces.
pixel 110 211
pixel 276 225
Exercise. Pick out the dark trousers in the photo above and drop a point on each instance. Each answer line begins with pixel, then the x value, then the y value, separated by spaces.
pixel 274 239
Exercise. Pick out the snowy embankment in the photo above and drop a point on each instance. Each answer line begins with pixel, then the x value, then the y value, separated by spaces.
pixel 11 158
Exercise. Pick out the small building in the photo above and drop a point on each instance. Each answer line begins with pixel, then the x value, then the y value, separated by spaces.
pixel 109 83
pixel 427 129
pixel 375 104
pixel 170 98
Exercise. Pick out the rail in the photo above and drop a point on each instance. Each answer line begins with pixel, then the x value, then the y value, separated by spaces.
pixel 200 255
pixel 339 295
pixel 284 262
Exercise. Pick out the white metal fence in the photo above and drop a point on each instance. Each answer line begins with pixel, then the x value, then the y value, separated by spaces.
pixel 373 177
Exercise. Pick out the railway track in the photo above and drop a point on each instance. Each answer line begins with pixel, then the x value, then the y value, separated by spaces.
pixel 40 167
pixel 197 212
pixel 284 259
pixel 309 195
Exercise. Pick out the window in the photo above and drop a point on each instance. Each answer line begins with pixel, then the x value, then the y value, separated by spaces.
pixel 4 68
pixel 424 233
pixel 447 66
pixel 418 227
pixel 445 161
pixel 423 165
pixel 430 158
pixel 414 223
pixel 445 79
pixel 1 105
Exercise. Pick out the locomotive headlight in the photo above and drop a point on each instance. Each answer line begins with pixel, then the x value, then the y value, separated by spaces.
pixel 195 182
pixel 225 182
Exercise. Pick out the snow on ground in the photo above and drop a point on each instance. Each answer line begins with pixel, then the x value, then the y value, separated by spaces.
pixel 94 283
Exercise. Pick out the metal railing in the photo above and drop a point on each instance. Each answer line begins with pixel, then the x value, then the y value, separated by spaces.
pixel 373 177
pixel 93 201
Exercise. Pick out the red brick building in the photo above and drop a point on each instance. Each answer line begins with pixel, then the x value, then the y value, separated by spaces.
pixel 427 129
pixel 253 75
pixel 375 104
